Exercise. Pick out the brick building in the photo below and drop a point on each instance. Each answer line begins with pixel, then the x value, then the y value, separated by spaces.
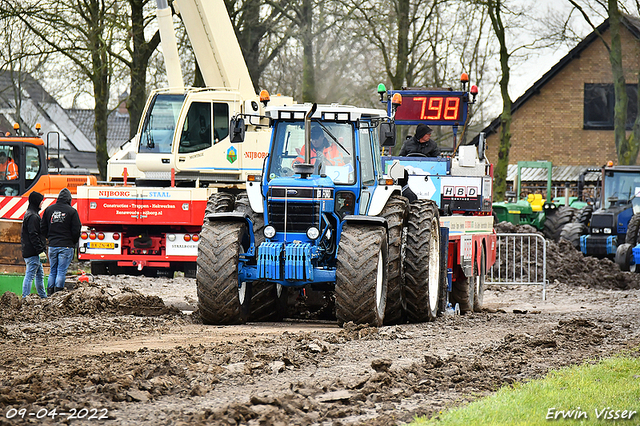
pixel 566 117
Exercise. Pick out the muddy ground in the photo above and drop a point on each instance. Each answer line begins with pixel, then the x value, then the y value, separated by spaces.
pixel 129 349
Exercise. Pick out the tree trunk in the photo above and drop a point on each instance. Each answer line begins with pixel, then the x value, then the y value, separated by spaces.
pixel 500 176
pixel 398 79
pixel 141 52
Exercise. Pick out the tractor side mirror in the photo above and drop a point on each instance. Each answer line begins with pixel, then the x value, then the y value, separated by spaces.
pixel 237 130
pixel 387 134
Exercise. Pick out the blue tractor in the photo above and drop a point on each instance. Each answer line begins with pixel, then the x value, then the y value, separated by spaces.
pixel 611 230
pixel 321 219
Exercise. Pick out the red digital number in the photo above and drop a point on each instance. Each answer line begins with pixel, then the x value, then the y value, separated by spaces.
pixel 451 109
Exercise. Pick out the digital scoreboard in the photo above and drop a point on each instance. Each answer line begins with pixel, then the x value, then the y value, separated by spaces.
pixel 437 108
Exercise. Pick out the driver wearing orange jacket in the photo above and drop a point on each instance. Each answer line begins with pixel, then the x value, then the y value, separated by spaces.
pixel 322 150
pixel 8 168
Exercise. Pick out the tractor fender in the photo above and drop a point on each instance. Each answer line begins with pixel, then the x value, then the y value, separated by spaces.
pixel 229 217
pixel 254 193
pixel 365 220
pixel 380 197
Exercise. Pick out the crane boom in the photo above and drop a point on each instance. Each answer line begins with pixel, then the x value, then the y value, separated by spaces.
pixel 169 45
pixel 215 45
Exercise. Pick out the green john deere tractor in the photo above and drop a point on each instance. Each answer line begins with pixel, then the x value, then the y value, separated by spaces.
pixel 546 216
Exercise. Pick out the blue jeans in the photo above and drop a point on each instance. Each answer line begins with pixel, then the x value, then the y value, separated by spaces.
pixel 34 269
pixel 59 261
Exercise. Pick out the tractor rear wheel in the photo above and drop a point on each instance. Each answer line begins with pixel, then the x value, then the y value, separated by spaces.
pixel 395 212
pixel 584 214
pixel 572 233
pixel 268 302
pixel 220 202
pixel 555 222
pixel 221 298
pixel 361 275
pixel 423 284
pixel 632 230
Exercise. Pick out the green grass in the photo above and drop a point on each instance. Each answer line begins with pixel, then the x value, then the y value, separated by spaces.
pixel 613 383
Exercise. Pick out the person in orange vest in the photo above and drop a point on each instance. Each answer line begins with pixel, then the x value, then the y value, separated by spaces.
pixel 8 168
pixel 322 150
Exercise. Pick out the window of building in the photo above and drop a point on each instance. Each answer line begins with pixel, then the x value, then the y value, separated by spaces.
pixel 599 103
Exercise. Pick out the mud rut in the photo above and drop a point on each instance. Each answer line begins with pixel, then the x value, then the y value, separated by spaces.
pixel 129 345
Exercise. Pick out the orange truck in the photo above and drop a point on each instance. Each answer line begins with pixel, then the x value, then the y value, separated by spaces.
pixel 29 155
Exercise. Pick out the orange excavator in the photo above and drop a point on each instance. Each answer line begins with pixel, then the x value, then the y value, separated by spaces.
pixel 24 168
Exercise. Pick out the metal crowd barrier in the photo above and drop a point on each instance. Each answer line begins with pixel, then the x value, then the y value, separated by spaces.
pixel 521 259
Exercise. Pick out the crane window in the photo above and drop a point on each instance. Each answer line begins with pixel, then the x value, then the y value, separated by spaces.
pixel 198 133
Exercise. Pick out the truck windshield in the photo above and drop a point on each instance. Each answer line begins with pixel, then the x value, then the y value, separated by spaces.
pixel 160 123
pixel 621 188
pixel 332 149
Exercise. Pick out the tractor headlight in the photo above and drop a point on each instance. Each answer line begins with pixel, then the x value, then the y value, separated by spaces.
pixel 596 230
pixel 269 231
pixel 607 230
pixel 313 233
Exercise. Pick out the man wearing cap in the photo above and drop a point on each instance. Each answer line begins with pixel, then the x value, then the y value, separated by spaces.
pixel 421 143
pixel 8 167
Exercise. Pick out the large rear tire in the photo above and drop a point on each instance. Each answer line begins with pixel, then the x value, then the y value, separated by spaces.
pixel 268 302
pixel 395 212
pixel 221 298
pixel 361 275
pixel 219 202
pixel 423 286
pixel 572 233
pixel 555 222
pixel 584 214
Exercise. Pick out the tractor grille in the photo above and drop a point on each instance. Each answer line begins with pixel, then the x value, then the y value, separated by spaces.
pixel 602 220
pixel 300 216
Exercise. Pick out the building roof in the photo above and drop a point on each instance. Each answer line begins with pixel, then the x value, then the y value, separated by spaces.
pixel 117 127
pixel 630 22
pixel 558 174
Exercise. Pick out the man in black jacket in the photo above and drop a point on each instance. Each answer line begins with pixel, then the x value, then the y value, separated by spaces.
pixel 421 143
pixel 33 246
pixel 61 226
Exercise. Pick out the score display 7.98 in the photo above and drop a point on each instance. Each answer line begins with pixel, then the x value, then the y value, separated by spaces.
pixel 437 108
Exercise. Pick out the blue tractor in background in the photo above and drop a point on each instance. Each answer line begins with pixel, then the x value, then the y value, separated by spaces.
pixel 611 229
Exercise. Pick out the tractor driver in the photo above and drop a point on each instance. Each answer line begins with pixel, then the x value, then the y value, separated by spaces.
pixel 420 143
pixel 321 149
pixel 8 167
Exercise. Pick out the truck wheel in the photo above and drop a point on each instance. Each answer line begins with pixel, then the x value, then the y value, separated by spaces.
pixel 422 264
pixel 572 233
pixel 395 212
pixel 98 268
pixel 623 257
pixel 268 302
pixel 555 222
pixel 632 230
pixel 480 276
pixel 463 292
pixel 361 275
pixel 220 202
pixel 221 298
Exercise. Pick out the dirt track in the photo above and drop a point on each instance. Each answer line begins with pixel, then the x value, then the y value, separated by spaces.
pixel 115 347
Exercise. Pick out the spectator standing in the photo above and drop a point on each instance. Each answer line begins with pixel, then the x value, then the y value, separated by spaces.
pixel 33 246
pixel 61 226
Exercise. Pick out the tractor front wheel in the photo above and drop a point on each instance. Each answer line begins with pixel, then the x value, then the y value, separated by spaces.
pixel 361 275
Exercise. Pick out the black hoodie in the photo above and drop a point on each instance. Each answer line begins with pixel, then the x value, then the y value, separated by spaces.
pixel 61 223
pixel 31 237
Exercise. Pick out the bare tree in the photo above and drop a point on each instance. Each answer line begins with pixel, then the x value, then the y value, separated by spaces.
pixel 82 31
pixel 627 147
